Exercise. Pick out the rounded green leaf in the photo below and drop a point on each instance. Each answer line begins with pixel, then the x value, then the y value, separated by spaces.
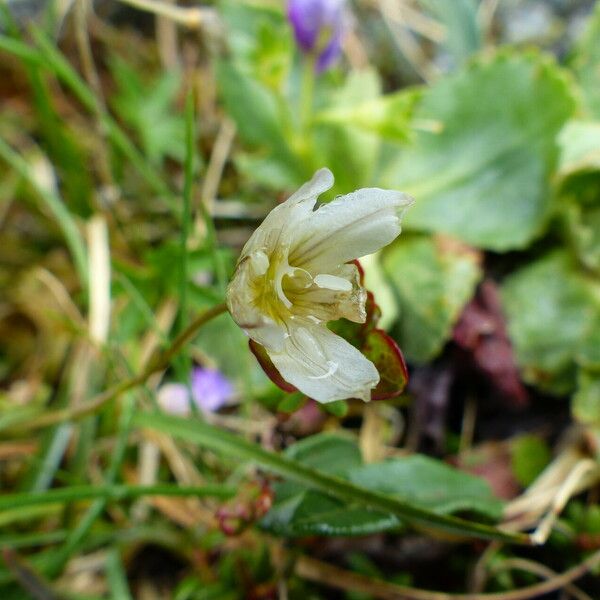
pixel 552 308
pixel 432 279
pixel 481 168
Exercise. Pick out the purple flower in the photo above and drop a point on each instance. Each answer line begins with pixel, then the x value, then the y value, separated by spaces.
pixel 318 27
pixel 210 391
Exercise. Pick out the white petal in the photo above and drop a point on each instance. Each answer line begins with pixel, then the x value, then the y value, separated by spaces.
pixel 321 181
pixel 333 282
pixel 288 215
pixel 242 306
pixel 347 228
pixel 324 366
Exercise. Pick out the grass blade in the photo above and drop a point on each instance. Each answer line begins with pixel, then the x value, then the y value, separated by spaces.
pixel 55 205
pixel 59 65
pixel 114 493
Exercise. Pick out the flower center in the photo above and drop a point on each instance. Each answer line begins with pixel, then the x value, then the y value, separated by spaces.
pixel 283 292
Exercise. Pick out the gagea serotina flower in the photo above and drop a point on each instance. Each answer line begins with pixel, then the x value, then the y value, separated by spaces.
pixel 293 276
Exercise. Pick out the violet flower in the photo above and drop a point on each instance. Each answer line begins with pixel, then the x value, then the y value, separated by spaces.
pixel 318 28
pixel 210 390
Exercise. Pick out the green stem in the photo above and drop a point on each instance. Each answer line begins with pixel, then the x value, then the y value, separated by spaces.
pixel 160 362
pixel 114 493
pixel 307 93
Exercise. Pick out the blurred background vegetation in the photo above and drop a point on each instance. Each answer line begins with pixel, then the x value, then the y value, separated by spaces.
pixel 141 142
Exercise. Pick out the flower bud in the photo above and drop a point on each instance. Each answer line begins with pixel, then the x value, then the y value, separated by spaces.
pixel 318 28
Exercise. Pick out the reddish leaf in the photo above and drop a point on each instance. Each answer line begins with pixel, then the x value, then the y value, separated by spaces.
pixel 269 368
pixel 383 351
pixel 492 461
pixel 481 331
pixel 373 313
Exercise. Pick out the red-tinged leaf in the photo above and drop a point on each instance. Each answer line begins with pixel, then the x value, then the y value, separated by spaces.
pixel 383 351
pixel 269 368
pixel 373 314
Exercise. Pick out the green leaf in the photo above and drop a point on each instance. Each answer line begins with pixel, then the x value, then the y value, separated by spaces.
pixel 423 481
pixel 481 171
pixel 387 116
pixel 252 106
pixel 430 484
pixel 260 38
pixel 338 408
pixel 292 402
pixel 262 123
pixel 312 513
pixel 350 152
pixel 553 311
pixel 586 63
pixel 213 438
pixel 579 170
pixel 432 279
pixel 589 352
pixel 529 456
pixel 329 452
pixel 583 224
pixel 586 401
pixel 579 143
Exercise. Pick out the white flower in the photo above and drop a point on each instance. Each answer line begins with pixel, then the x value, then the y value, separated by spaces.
pixel 293 277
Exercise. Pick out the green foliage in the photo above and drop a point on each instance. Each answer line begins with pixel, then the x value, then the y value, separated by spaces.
pixel 502 155
pixel 553 310
pixel 388 116
pixel 335 487
pixel 147 108
pixel 585 63
pixel 586 401
pixel 430 484
pixel 424 482
pixel 481 170
pixel 432 279
pixel 529 455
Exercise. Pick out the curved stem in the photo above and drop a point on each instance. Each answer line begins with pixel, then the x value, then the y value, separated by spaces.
pixel 307 92
pixel 160 362
pixel 315 570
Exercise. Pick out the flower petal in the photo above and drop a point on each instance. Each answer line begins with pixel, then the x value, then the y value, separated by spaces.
pixel 288 215
pixel 330 296
pixel 347 228
pixel 241 303
pixel 324 366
